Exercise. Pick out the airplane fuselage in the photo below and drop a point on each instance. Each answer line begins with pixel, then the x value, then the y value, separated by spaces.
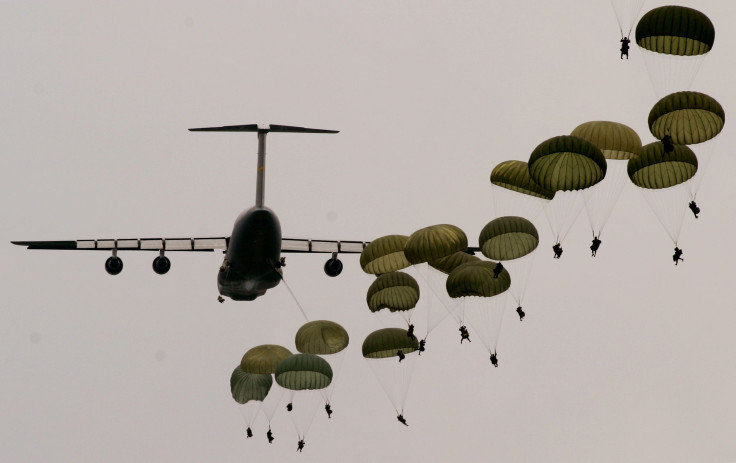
pixel 251 264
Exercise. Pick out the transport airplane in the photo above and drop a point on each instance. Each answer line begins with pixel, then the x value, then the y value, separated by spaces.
pixel 253 262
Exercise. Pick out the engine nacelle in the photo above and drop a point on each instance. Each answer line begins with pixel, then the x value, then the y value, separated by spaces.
pixel 333 267
pixel 161 265
pixel 114 265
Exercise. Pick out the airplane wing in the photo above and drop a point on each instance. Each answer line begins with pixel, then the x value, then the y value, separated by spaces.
pixel 134 244
pixel 192 244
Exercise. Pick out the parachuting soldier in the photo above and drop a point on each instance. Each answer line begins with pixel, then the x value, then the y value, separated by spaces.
pixel 401 419
pixel 401 355
pixel 497 270
pixel 410 331
pixel 328 409
pixel 269 435
pixel 558 250
pixel 521 313
pixel 677 256
pixel 289 407
pixel 300 445
pixel 625 47
pixel 596 244
pixel 694 207
pixel 422 342
pixel 464 334
pixel 494 359
pixel 249 432
pixel 667 143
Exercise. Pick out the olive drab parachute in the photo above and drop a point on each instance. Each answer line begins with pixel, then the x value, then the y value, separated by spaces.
pixel 300 372
pixel 661 177
pixel 508 238
pixel 381 352
pixel 384 255
pixel 515 192
pixel 303 376
pixel 512 240
pixel 328 339
pixel 249 390
pixel 654 169
pixel 386 342
pixel 434 242
pixel 476 279
pixel 247 387
pixel 321 337
pixel 618 143
pixel 690 118
pixel 395 291
pixel 673 41
pixel 263 359
pixel 567 165
pixel 483 298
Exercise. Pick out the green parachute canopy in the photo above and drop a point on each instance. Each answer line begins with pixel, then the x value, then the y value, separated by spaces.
pixel 303 371
pixel 508 238
pixel 655 169
pixel 321 337
pixel 263 359
pixel 688 117
pixel 514 176
pixel 675 30
pixel 387 342
pixel 616 141
pixel 384 255
pixel 476 279
pixel 434 242
pixel 396 291
pixel 249 386
pixel 567 163
pixel 449 263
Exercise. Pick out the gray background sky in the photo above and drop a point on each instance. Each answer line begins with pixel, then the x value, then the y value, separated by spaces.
pixel 621 358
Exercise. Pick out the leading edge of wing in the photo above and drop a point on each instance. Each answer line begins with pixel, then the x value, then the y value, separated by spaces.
pixel 137 244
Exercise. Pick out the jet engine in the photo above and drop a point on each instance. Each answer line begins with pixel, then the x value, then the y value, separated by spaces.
pixel 114 265
pixel 333 266
pixel 161 264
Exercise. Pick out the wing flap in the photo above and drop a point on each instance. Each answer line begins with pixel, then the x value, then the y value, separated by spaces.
pixel 322 246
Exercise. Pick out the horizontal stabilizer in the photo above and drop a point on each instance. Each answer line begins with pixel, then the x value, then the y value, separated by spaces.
pixel 265 128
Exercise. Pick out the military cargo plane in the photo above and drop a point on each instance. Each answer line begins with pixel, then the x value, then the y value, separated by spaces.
pixel 253 262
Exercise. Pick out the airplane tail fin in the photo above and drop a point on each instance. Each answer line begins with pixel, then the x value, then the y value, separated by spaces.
pixel 262 128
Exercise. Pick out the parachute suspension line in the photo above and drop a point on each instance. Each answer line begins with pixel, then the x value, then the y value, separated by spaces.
pixel 394 377
pixel 669 206
pixel 601 199
pixel 671 73
pixel 336 361
pixel 626 12
pixel 520 269
pixel 301 309
pixel 432 281
pixel 704 154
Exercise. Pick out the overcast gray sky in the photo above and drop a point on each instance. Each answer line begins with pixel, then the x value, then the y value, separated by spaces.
pixel 624 357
